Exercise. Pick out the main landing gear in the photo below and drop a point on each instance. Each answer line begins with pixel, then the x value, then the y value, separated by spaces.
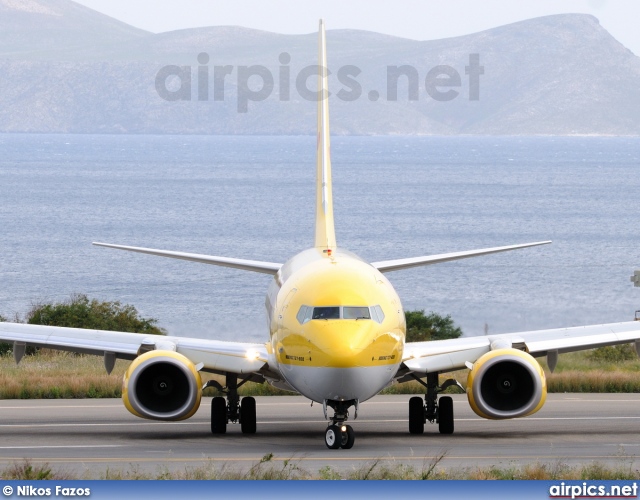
pixel 232 409
pixel 338 434
pixel 432 409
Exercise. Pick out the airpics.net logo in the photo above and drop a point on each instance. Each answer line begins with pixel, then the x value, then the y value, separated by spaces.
pixel 590 490
pixel 257 82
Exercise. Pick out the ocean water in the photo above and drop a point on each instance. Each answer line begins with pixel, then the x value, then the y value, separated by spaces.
pixel 253 197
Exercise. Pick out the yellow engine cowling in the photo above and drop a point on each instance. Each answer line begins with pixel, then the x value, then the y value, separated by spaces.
pixel 162 385
pixel 506 383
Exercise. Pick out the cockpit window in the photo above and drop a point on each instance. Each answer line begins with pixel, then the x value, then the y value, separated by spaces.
pixel 355 313
pixel 377 314
pixel 307 313
pixel 304 314
pixel 326 313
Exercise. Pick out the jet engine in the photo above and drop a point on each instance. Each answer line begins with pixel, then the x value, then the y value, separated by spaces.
pixel 506 383
pixel 162 385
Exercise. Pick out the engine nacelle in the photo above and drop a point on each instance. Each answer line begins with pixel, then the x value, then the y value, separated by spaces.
pixel 506 383
pixel 162 385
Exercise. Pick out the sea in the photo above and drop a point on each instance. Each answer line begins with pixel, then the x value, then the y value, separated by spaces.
pixel 253 197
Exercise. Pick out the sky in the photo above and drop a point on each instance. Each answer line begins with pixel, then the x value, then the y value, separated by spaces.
pixel 416 19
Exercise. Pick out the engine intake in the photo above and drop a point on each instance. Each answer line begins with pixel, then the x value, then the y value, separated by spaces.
pixel 162 385
pixel 506 383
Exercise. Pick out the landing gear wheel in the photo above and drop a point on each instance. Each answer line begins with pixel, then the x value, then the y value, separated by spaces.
pixel 218 416
pixel 333 437
pixel 348 438
pixel 445 415
pixel 248 415
pixel 416 415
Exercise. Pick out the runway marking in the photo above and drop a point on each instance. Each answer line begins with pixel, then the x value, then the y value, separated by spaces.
pixel 476 419
pixel 593 401
pixel 288 422
pixel 565 418
pixel 135 424
pixel 58 406
pixel 62 446
pixel 260 404
pixel 128 460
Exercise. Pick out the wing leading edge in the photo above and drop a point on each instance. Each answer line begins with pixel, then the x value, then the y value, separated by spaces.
pixel 244 264
pixel 386 266
pixel 455 354
pixel 216 356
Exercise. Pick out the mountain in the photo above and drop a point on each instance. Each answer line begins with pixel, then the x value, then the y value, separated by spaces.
pixel 40 28
pixel 65 68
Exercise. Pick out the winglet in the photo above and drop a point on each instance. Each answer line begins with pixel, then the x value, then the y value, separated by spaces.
pixel 325 232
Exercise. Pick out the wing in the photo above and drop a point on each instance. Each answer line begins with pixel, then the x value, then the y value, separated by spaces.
pixel 214 356
pixel 244 264
pixel 386 266
pixel 448 355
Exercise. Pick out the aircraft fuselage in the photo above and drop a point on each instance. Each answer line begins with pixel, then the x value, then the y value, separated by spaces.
pixel 337 326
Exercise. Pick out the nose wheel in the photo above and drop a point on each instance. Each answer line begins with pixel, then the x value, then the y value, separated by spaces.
pixel 339 436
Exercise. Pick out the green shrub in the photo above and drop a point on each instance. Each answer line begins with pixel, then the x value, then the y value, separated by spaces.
pixel 80 312
pixel 422 327
pixel 613 354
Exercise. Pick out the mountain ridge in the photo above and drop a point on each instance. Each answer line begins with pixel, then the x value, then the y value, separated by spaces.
pixel 88 73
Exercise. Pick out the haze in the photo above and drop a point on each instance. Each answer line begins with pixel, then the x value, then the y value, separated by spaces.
pixel 416 19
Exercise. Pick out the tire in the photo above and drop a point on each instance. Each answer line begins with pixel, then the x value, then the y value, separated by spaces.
pixel 416 415
pixel 348 438
pixel 445 415
pixel 333 437
pixel 248 415
pixel 218 415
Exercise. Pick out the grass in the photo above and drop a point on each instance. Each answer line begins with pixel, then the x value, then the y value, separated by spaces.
pixel 583 372
pixel 264 469
pixel 53 374
pixel 269 469
pixel 27 471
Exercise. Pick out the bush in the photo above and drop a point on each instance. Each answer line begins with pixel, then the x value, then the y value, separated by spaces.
pixel 613 354
pixel 80 312
pixel 422 327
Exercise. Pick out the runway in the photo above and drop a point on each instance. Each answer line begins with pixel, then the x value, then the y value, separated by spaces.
pixel 89 436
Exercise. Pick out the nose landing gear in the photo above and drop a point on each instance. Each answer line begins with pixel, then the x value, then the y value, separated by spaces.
pixel 338 434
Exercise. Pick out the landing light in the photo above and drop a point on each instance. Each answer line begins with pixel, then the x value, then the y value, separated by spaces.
pixel 252 355
pixel 343 428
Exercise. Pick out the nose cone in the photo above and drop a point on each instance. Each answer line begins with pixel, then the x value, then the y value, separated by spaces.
pixel 342 344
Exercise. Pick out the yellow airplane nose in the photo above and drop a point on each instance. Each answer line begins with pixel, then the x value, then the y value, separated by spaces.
pixel 341 344
pixel 344 342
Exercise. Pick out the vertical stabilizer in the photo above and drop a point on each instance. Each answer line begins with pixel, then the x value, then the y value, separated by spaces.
pixel 325 232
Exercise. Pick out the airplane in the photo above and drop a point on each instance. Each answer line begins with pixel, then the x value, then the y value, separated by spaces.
pixel 337 336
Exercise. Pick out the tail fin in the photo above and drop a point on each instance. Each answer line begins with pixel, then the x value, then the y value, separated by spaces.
pixel 325 232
